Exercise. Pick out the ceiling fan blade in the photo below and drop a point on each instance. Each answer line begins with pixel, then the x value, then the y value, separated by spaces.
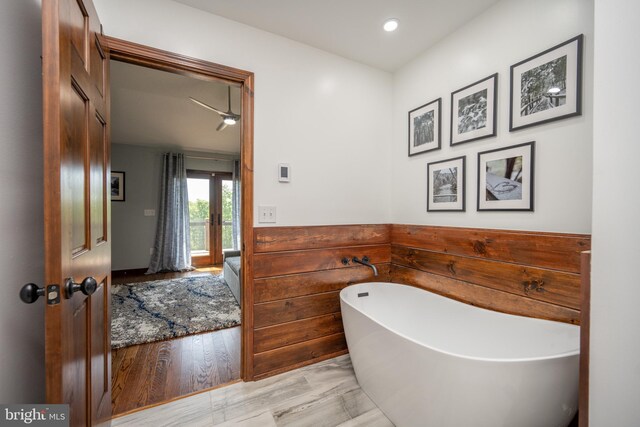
pixel 221 126
pixel 208 107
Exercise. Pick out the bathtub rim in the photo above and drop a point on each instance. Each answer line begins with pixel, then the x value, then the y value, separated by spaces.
pixel 460 356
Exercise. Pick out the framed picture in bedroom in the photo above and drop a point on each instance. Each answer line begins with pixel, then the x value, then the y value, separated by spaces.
pixel 505 178
pixel 117 186
pixel 425 128
pixel 446 185
pixel 474 111
pixel 547 86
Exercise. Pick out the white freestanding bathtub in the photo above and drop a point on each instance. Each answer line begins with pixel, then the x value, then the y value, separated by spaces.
pixel 430 361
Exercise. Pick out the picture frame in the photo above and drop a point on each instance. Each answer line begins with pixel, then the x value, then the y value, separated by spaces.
pixel 474 111
pixel 117 186
pixel 506 178
pixel 446 182
pixel 547 86
pixel 425 128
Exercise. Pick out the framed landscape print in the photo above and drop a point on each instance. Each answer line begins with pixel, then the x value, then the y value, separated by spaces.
pixel 117 186
pixel 424 128
pixel 505 178
pixel 445 185
pixel 474 110
pixel 547 86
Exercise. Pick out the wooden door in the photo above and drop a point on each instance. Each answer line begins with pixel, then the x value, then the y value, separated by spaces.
pixel 77 211
pixel 214 224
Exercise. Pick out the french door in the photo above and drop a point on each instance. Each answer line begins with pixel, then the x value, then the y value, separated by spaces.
pixel 210 216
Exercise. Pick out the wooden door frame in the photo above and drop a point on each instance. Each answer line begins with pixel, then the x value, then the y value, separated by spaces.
pixel 146 56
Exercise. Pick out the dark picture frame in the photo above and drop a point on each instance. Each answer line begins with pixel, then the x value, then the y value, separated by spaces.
pixel 506 178
pixel 446 185
pixel 425 128
pixel 474 111
pixel 117 184
pixel 548 86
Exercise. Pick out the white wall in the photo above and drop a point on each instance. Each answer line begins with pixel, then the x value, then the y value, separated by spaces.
pixel 505 34
pixel 615 286
pixel 132 233
pixel 326 116
pixel 21 217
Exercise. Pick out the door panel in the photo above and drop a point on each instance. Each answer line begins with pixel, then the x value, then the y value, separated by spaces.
pixel 77 210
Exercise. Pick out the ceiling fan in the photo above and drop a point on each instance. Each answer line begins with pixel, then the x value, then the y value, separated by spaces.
pixel 228 117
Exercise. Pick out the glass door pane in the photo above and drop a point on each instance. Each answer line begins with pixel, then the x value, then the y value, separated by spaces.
pixel 198 189
pixel 227 214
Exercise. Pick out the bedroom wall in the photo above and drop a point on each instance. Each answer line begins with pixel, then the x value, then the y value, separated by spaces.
pixel 21 217
pixel 132 233
pixel 328 117
pixel 507 33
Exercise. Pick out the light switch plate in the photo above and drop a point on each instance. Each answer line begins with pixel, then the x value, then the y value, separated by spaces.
pixel 266 214
pixel 149 212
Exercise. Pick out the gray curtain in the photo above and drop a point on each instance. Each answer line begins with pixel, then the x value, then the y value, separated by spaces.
pixel 235 206
pixel 172 249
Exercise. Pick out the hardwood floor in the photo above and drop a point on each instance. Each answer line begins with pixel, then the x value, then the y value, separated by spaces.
pixel 156 372
pixel 148 374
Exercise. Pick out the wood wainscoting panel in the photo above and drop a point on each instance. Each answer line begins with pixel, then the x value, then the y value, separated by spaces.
pixel 526 273
pixel 292 355
pixel 285 334
pixel 297 277
pixel 275 239
pixel 555 251
pixel 484 297
pixel 305 261
pixel 297 285
pixel 552 286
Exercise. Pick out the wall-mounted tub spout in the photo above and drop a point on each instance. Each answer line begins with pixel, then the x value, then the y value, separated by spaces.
pixel 365 261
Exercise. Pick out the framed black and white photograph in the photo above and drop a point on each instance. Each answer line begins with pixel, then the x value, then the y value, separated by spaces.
pixel 474 111
pixel 424 128
pixel 505 178
pixel 117 186
pixel 446 185
pixel 547 86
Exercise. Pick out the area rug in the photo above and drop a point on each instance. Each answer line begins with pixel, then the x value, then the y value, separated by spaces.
pixel 153 311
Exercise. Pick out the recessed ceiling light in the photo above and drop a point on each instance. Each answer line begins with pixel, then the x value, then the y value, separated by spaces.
pixel 390 25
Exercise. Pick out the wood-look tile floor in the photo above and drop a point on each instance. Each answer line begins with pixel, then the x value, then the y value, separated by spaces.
pixel 151 373
pixel 325 394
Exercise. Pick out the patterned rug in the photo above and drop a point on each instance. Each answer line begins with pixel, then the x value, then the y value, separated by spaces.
pixel 153 311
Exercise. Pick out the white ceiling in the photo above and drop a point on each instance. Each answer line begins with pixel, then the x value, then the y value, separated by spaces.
pixel 353 28
pixel 152 107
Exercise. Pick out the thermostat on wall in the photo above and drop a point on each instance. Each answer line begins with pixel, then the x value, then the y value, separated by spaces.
pixel 284 172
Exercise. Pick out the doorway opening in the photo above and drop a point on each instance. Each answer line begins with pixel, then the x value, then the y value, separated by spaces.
pixel 199 330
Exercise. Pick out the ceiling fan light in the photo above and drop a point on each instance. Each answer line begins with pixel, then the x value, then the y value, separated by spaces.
pixel 390 25
pixel 229 121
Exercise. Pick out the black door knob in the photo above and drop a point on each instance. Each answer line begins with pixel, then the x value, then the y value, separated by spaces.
pixel 30 293
pixel 87 286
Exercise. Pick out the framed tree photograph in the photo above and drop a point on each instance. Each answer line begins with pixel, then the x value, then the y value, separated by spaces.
pixel 474 111
pixel 505 178
pixel 446 185
pixel 424 128
pixel 547 86
pixel 117 186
